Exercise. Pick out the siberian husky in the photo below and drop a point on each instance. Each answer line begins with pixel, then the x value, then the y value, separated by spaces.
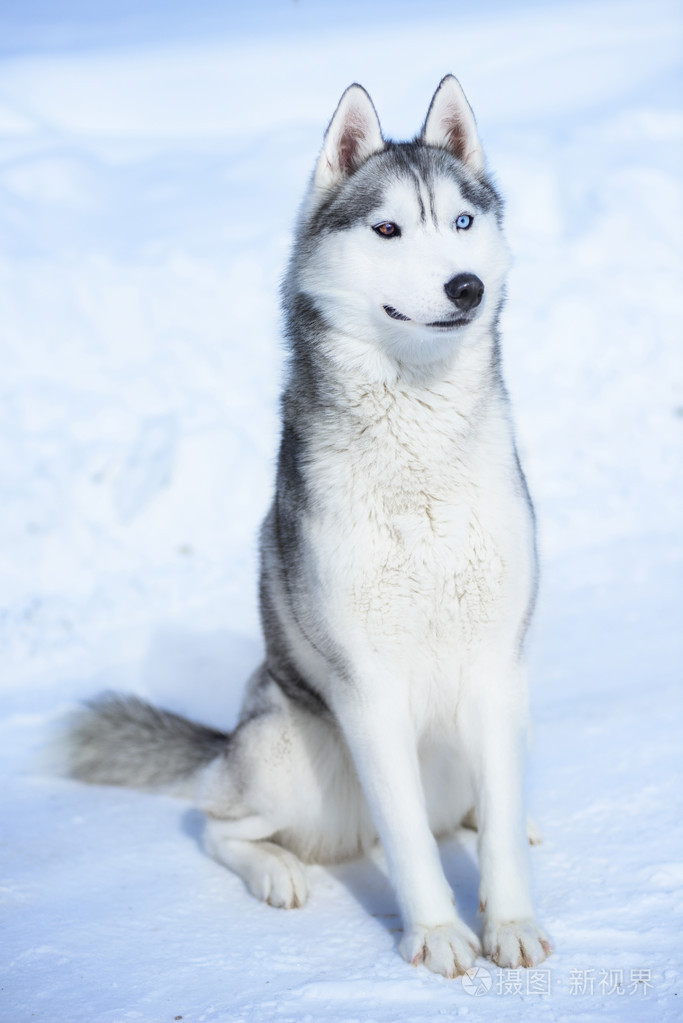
pixel 398 564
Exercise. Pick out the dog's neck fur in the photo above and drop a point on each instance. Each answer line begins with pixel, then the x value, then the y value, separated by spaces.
pixel 359 384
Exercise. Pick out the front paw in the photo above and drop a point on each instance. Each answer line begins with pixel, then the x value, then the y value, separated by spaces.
pixel 515 943
pixel 449 949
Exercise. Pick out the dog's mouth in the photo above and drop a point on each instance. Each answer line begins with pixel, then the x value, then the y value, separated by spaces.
pixel 456 321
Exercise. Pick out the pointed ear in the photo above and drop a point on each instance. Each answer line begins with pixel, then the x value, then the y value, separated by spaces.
pixel 353 135
pixel 450 125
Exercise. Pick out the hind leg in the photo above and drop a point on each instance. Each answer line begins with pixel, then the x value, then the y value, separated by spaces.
pixel 284 791
pixel 248 798
pixel 271 873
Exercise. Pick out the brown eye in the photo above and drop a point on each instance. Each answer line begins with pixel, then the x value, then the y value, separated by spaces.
pixel 387 229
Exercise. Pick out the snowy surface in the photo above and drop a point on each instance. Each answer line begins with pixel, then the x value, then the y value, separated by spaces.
pixel 151 160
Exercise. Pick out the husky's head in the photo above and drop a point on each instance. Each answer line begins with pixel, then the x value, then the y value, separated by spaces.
pixel 400 243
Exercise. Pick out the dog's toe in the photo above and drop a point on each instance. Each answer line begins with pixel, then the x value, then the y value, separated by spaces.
pixel 449 949
pixel 515 943
pixel 283 883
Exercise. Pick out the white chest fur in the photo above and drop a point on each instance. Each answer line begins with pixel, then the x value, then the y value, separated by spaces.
pixel 420 534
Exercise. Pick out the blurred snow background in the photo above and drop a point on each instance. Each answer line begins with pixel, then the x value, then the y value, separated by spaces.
pixel 152 157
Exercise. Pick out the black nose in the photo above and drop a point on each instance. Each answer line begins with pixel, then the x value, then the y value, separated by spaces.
pixel 465 291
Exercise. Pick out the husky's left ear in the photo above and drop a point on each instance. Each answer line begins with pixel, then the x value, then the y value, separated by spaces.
pixel 353 135
pixel 450 124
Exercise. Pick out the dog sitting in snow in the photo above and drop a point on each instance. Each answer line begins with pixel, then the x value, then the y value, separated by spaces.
pixel 398 566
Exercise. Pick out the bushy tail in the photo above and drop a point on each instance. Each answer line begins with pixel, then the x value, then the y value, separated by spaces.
pixel 121 740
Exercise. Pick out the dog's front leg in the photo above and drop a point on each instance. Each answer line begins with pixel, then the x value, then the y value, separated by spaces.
pixel 381 737
pixel 494 728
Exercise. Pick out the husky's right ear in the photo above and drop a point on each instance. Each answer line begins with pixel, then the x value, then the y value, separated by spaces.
pixel 353 135
pixel 450 125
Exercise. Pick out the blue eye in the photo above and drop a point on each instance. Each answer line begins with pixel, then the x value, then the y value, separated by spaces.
pixel 464 222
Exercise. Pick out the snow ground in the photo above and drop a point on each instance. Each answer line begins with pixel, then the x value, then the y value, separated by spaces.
pixel 151 161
